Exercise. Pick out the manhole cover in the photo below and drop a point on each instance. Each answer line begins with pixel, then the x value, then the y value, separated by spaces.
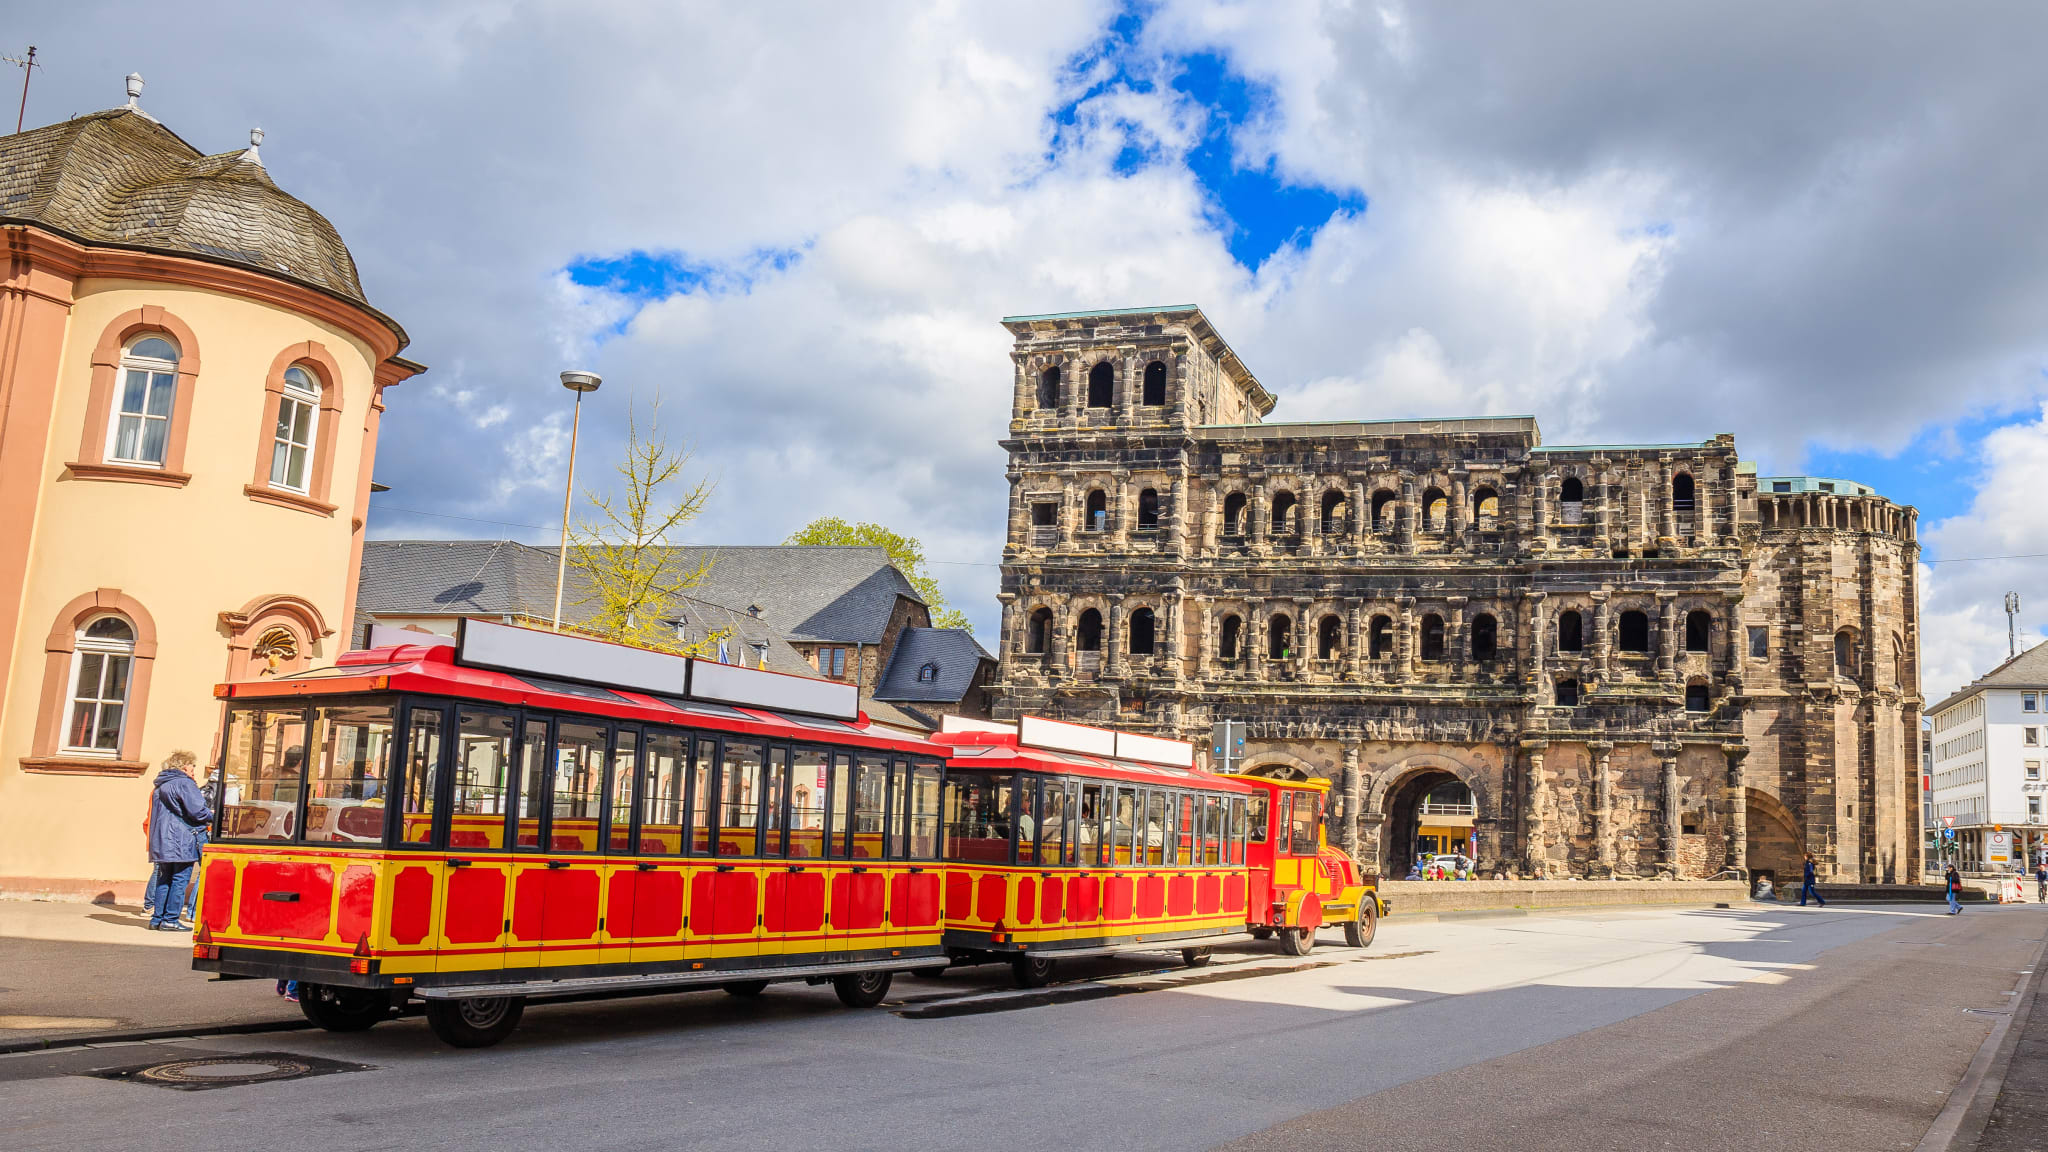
pixel 229 1070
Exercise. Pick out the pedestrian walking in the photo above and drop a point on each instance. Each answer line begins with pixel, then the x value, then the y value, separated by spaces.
pixel 1806 888
pixel 177 823
pixel 1954 882
pixel 2041 882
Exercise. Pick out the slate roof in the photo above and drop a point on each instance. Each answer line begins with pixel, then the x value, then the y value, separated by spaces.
pixel 2029 669
pixel 120 178
pixel 954 651
pixel 816 592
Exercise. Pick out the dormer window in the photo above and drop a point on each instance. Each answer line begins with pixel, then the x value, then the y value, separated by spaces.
pixel 928 674
pixel 141 430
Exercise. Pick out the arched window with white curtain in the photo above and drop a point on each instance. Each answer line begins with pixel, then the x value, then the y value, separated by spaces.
pixel 298 410
pixel 140 432
pixel 101 670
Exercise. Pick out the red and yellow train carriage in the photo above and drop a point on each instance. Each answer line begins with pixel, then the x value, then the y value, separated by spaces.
pixel 523 814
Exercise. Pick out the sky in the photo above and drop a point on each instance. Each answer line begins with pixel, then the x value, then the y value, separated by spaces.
pixel 794 227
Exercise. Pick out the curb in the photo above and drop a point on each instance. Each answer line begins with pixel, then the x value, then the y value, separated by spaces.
pixel 1456 914
pixel 136 1035
pixel 1960 1124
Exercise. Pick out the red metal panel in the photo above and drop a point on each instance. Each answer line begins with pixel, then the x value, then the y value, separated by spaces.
pixel 1027 897
pixel 914 900
pixel 1083 895
pixel 1049 901
pixel 857 901
pixel 290 900
pixel 1116 901
pixel 569 910
pixel 736 909
pixel 704 903
pixel 358 899
pixel 217 895
pixel 412 905
pixel 1260 882
pixel 796 902
pixel 1180 895
pixel 529 899
pixel 989 898
pixel 1151 897
pixel 476 905
pixel 657 905
pixel 1209 894
pixel 959 895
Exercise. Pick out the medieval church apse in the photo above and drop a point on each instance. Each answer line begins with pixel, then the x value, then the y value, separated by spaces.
pixel 1571 660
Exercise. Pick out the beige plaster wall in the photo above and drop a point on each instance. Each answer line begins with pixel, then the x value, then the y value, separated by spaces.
pixel 186 554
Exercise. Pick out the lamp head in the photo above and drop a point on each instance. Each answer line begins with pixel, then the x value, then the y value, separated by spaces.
pixel 581 381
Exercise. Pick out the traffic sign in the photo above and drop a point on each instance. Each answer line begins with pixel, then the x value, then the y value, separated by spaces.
pixel 1948 821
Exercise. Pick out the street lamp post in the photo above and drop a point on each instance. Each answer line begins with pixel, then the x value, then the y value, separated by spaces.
pixel 579 383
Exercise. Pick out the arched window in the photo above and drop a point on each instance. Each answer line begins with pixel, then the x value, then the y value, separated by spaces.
pixel 1233 637
pixel 1142 629
pixel 298 409
pixel 1635 632
pixel 1436 510
pixel 1485 636
pixel 1155 384
pixel 101 666
pixel 1233 513
pixel 1148 508
pixel 1049 388
pixel 1088 631
pixel 1102 385
pixel 1334 512
pixel 1432 637
pixel 1383 511
pixel 928 673
pixel 140 432
pixel 1380 638
pixel 1038 636
pixel 1485 508
pixel 1097 518
pixel 1571 636
pixel 1697 697
pixel 1572 491
pixel 1845 652
pixel 1681 493
pixel 1283 515
pixel 1280 638
pixel 1567 693
pixel 1329 638
pixel 1699 630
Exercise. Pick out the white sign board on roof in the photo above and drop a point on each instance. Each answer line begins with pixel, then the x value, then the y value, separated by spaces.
pixel 1153 750
pixel 754 688
pixel 386 636
pixel 529 651
pixel 1038 732
pixel 952 723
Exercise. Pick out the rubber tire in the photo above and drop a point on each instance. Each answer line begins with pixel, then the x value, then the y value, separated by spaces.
pixel 467 1023
pixel 930 973
pixel 1297 941
pixel 746 989
pixel 862 989
pixel 1359 932
pixel 1032 971
pixel 1195 957
pixel 1262 933
pixel 342 1009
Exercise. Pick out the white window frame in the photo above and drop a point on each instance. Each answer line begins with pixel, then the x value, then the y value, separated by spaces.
pixel 85 648
pixel 2028 702
pixel 300 398
pixel 2030 737
pixel 151 367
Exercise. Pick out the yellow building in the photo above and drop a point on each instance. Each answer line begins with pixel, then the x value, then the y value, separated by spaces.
pixel 190 385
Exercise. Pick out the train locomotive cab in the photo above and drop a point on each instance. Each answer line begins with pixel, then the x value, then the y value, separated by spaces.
pixel 1299 882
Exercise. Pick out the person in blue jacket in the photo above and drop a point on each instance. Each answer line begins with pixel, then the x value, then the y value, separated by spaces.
pixel 178 816
pixel 1806 888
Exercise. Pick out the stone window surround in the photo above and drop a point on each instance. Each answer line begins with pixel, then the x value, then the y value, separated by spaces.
pixel 314 357
pixel 45 749
pixel 91 462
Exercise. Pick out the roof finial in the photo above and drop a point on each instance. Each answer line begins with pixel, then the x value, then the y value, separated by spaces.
pixel 135 91
pixel 255 140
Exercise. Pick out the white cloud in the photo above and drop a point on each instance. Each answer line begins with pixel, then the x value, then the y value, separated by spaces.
pixel 1962 620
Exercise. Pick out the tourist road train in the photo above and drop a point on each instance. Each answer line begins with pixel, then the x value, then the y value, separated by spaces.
pixel 520 814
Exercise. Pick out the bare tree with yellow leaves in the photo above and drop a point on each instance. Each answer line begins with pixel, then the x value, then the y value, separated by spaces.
pixel 634 578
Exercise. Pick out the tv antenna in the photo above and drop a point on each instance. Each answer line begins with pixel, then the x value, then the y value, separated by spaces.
pixel 2012 614
pixel 28 68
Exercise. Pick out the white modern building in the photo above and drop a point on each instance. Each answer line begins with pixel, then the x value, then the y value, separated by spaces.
pixel 1990 743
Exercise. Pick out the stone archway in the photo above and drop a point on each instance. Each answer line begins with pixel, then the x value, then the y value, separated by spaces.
pixel 1391 817
pixel 1280 770
pixel 1776 847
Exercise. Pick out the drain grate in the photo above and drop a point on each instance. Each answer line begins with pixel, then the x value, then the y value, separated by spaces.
pixel 229 1070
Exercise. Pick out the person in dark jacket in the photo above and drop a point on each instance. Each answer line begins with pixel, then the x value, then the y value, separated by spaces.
pixel 178 815
pixel 1806 887
pixel 1954 883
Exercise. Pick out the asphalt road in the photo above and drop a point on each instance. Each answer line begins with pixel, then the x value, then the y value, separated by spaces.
pixel 1777 1028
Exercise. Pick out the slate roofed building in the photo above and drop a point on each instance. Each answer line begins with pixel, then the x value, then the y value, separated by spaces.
pixel 935 671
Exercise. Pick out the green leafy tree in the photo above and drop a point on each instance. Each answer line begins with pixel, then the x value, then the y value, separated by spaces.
pixel 904 552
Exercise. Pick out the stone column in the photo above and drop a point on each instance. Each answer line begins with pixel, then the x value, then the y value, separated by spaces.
pixel 1406 621
pixel 1457 516
pixel 1113 638
pixel 1257 517
pixel 1457 645
pixel 1410 517
pixel 1020 516
pixel 1311 514
pixel 1603 803
pixel 1121 513
pixel 1212 521
pixel 1539 628
pixel 1127 384
pixel 1024 392
pixel 1252 639
pixel 1668 639
pixel 1361 516
pixel 1538 486
pixel 1173 517
pixel 1069 514
pixel 1667 515
pixel 1354 646
pixel 1603 513
pixel 1057 649
pixel 1205 637
pixel 1603 635
pixel 1012 642
pixel 1668 754
pixel 1736 808
pixel 1536 805
pixel 1073 389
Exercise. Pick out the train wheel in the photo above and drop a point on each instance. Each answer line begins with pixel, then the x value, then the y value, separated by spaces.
pixel 477 1022
pixel 342 1009
pixel 1262 933
pixel 1297 941
pixel 861 989
pixel 1194 957
pixel 1359 932
pixel 1032 971
pixel 746 989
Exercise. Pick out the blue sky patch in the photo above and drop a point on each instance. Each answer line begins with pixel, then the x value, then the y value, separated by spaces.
pixel 1936 473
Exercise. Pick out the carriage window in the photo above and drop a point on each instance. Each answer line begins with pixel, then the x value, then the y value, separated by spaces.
pixel 1255 816
pixel 807 802
pixel 1052 828
pixel 264 768
pixel 924 811
pixel 422 773
pixel 1237 830
pixel 977 825
pixel 483 780
pixel 1027 821
pixel 840 832
pixel 345 787
pixel 739 799
pixel 1308 811
pixel 1185 833
pixel 870 800
pixel 661 801
pixel 625 759
pixel 1170 842
pixel 578 793
pixel 774 798
pixel 1088 831
pixel 1155 828
pixel 1212 830
pixel 533 763
pixel 899 801
pixel 1124 825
